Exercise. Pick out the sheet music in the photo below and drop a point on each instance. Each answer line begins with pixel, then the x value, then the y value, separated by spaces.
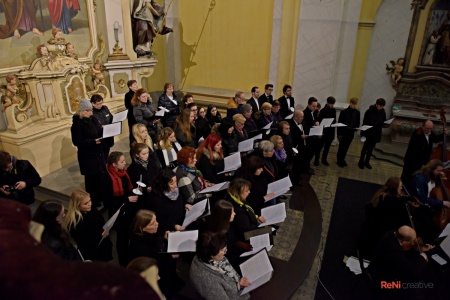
pixel 160 113
pixel 289 117
pixel 245 146
pixel 327 122
pixel 273 214
pixel 258 243
pixel 120 116
pixel 279 187
pixel 112 130
pixel 258 137
pixel 316 131
pixel 445 245
pixel 232 162
pixel 182 241
pixel 195 212
pixel 446 231
pixel 389 121
pixel 215 188
pixel 364 127
pixel 163 108
pixel 353 264
pixel 257 269
pixel 110 223
pixel 338 125
pixel 267 126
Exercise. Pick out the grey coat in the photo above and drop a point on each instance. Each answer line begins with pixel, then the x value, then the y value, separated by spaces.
pixel 212 285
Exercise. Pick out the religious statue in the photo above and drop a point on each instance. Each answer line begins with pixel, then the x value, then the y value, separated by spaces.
pixel 428 56
pixel 70 51
pixel 9 92
pixel 57 44
pixel 148 20
pixel 97 75
pixel 396 70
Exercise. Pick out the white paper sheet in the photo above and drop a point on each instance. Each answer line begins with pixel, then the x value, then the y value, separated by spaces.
pixel 289 117
pixel 195 212
pixel 446 231
pixel 246 145
pixel 163 108
pixel 327 122
pixel 316 131
pixel 258 243
pixel 273 214
pixel 338 125
pixel 258 271
pixel 182 241
pixel 364 127
pixel 389 121
pixel 257 137
pixel 215 188
pixel 160 113
pixel 120 116
pixel 112 130
pixel 353 264
pixel 279 187
pixel 232 162
pixel 267 126
pixel 445 245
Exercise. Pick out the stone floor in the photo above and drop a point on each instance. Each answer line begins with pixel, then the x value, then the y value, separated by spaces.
pixel 324 183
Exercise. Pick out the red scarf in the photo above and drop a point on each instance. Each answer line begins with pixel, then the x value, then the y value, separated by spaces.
pixel 117 181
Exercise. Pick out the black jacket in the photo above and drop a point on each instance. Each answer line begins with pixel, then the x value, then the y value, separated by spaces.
pixel 90 155
pixel 351 118
pixel 210 171
pixel 285 109
pixel 168 213
pixel 203 129
pixel 22 170
pixel 375 118
pixel 105 117
pixel 174 109
pixel 328 113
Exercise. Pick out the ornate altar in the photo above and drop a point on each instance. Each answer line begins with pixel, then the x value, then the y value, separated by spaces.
pixel 425 85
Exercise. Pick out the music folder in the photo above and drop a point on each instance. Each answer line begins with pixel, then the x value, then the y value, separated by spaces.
pixel 111 130
pixel 120 116
pixel 257 269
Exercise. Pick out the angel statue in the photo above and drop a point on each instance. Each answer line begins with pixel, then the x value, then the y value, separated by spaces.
pixel 148 20
pixel 395 69
pixel 97 75
pixel 9 92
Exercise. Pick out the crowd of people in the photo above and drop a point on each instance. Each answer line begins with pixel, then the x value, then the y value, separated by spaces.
pixel 176 155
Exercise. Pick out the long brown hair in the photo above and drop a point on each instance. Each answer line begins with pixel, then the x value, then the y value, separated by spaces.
pixel 429 168
pixel 135 101
pixel 183 121
pixel 389 188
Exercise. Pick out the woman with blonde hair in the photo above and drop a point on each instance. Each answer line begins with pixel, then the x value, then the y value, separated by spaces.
pixel 85 225
pixel 140 134
pixel 185 131
pixel 167 148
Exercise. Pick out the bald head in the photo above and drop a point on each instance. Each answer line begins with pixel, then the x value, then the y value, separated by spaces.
pixel 298 115
pixel 427 126
pixel 406 236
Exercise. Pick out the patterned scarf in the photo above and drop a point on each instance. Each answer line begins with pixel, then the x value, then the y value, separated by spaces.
pixel 281 155
pixel 116 176
pixel 194 171
pixel 246 206
pixel 141 162
pixel 224 267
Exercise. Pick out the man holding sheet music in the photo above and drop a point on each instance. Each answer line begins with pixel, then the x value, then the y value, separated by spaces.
pixel 310 120
pixel 350 117
pixel 327 112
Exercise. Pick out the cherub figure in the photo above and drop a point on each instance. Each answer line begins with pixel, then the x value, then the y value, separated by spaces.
pixel 97 75
pixel 45 57
pixel 396 70
pixel 70 51
pixel 10 90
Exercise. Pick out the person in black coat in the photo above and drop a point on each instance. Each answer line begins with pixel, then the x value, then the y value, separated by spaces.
pixel 202 127
pixel 254 100
pixel 267 96
pixel 86 136
pixel 299 133
pixel 133 87
pixel 85 225
pixel 144 113
pixel 169 101
pixel 375 116
pixel 350 117
pixel 419 149
pixel 17 179
pixel 327 112
pixel 277 117
pixel 287 102
pixel 105 117
pixel 213 115
pixel 250 124
pixel 210 159
pixel 311 119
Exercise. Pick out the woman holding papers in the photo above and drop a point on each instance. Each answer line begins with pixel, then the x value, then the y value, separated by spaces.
pixel 250 123
pixel 105 117
pixel 190 179
pixel 185 131
pixel 280 156
pixel 147 241
pixel 118 189
pixel 212 274
pixel 169 101
pixel 86 136
pixel 267 116
pixel 167 148
pixel 246 218
pixel 210 159
pixel 266 152
pixel 85 225
pixel 144 112
pixel 51 214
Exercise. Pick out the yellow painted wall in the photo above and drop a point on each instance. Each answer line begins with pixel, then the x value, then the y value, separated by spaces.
pixel 236 33
pixel 369 10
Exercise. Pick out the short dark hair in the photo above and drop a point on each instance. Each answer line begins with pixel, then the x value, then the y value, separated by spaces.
pixel 286 87
pixel 381 101
pixel 276 103
pixel 209 244
pixel 267 86
pixel 311 100
pixel 331 100
pixel 186 97
pixel 190 105
pixel 131 82
pixel 161 182
pixel 5 159
pixel 254 89
pixel 96 98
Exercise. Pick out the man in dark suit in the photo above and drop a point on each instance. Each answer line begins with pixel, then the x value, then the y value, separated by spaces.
pixel 311 120
pixel 254 100
pixel 299 134
pixel 350 117
pixel 327 112
pixel 133 87
pixel 419 149
pixel 287 102
pixel 267 96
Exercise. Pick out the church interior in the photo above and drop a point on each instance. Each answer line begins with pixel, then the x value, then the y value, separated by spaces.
pixel 56 53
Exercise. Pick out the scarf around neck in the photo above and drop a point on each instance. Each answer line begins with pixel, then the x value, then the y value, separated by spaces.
pixel 242 204
pixel 225 268
pixel 116 178
pixel 281 155
pixel 194 171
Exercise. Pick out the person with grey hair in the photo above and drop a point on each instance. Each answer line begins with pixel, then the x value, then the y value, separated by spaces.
pixel 270 169
pixel 247 112
pixel 86 136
